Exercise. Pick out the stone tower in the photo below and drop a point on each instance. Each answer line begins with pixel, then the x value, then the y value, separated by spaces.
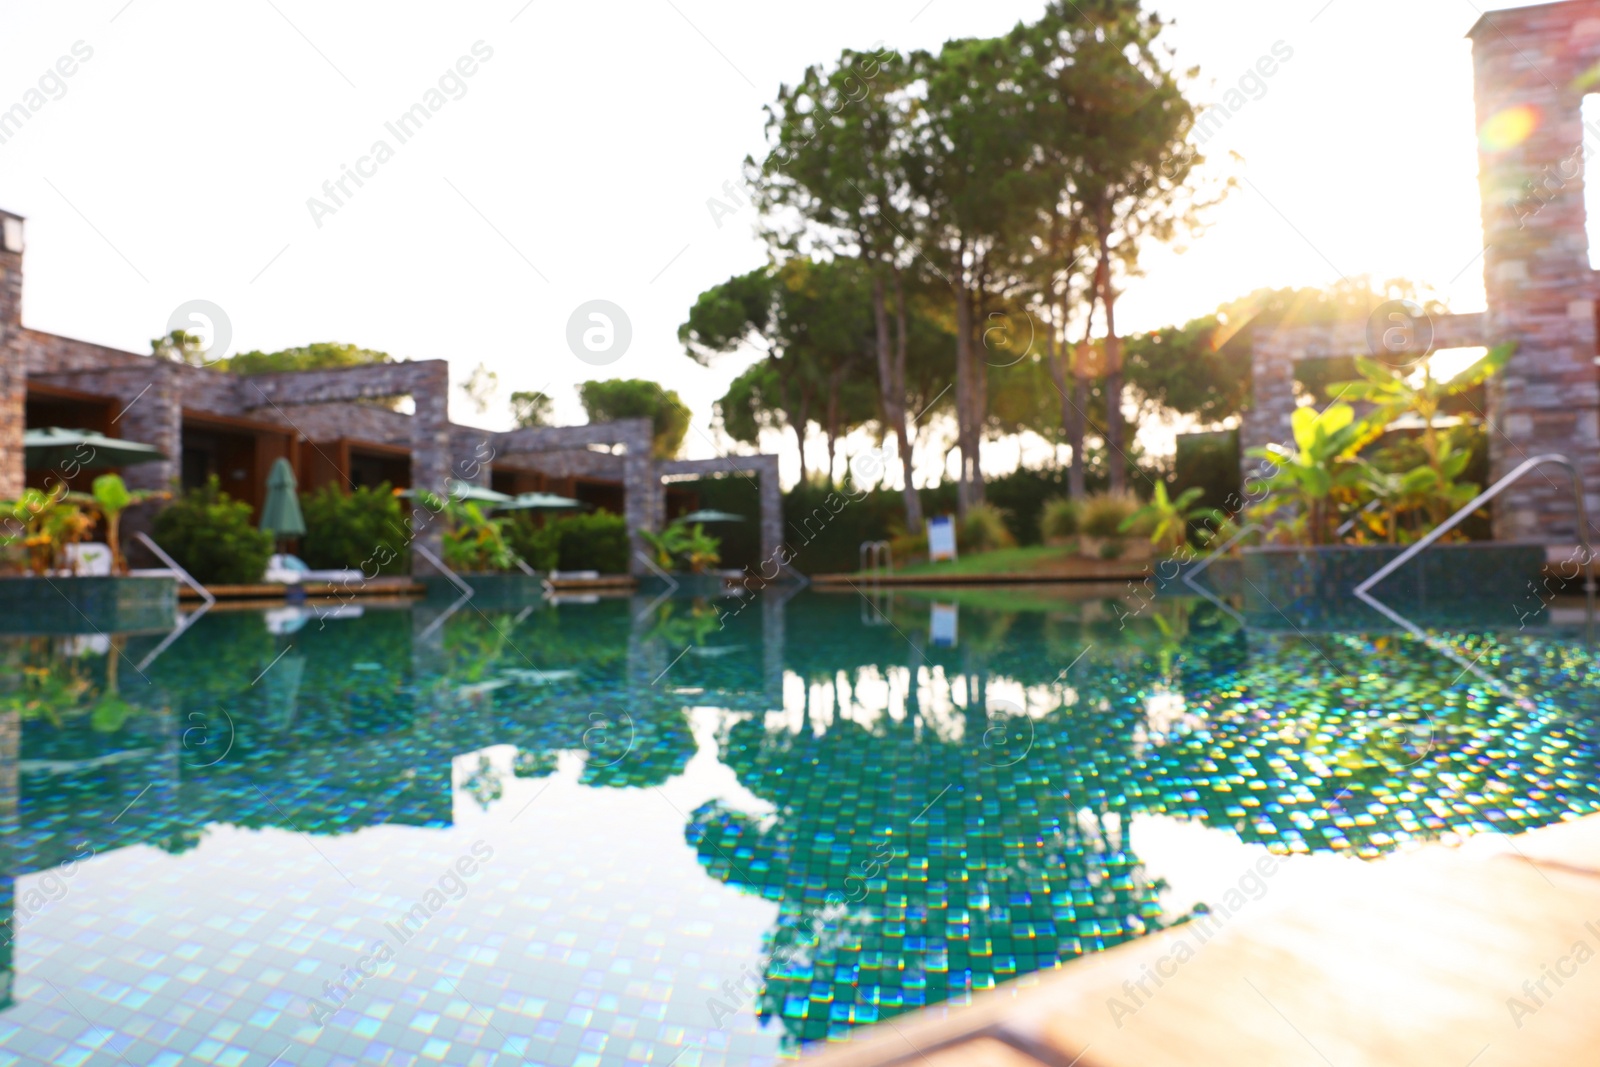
pixel 13 357
pixel 1533 66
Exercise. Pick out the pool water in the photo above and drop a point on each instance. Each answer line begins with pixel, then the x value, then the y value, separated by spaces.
pixel 673 831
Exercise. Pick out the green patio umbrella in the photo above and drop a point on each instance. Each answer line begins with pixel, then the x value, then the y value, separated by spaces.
pixel 539 502
pixel 460 490
pixel 55 447
pixel 710 515
pixel 280 513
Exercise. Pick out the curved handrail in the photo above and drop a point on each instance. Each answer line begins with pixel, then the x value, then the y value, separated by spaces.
pixel 1484 497
pixel 1362 591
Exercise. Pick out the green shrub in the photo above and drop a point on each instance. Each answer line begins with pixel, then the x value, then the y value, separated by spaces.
pixel 364 529
pixel 1210 461
pixel 475 542
pixel 1059 520
pixel 909 548
pixel 1102 514
pixel 823 528
pixel 212 537
pixel 536 542
pixel 593 542
pixel 983 529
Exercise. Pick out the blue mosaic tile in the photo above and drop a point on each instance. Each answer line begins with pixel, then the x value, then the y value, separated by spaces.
pixel 552 837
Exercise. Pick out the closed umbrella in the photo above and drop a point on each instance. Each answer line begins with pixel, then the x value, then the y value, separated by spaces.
pixel 280 514
pixel 84 449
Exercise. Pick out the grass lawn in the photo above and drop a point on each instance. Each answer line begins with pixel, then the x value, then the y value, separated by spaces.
pixel 1001 561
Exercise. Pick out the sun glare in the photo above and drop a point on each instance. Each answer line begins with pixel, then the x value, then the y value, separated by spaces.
pixel 1508 128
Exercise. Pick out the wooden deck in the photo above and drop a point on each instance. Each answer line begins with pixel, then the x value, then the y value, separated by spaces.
pixel 1070 570
pixel 1483 956
pixel 278 591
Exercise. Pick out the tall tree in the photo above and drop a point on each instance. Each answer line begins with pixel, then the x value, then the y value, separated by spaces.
pixel 636 398
pixel 835 179
pixel 970 171
pixel 531 408
pixel 753 403
pixel 1134 183
pixel 1110 122
pixel 814 322
pixel 747 310
pixel 480 387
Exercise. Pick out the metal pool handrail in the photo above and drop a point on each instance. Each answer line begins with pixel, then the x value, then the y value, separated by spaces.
pixel 878 555
pixel 1190 574
pixel 182 575
pixel 1484 497
pixel 184 621
pixel 455 580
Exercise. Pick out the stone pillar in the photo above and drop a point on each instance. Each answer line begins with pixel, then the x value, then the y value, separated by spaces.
pixel 430 456
pixel 1272 403
pixel 1541 291
pixel 640 485
pixel 13 366
pixel 152 413
pixel 473 455
pixel 771 496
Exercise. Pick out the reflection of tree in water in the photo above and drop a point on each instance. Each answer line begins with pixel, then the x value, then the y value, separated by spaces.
pixel 1337 742
pixel 910 870
pixel 640 747
pixel 622 743
pixel 1348 742
pixel 483 784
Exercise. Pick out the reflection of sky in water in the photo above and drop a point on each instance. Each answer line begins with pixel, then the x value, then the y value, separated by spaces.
pixel 810 823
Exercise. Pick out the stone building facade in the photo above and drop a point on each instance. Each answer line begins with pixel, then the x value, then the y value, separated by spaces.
pixel 312 418
pixel 1533 66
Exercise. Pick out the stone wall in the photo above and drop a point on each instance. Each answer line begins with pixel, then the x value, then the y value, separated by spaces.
pixel 427 382
pixel 1532 68
pixel 1274 353
pixel 770 493
pixel 332 421
pixel 638 468
pixel 13 372
pixel 152 396
pixel 575 463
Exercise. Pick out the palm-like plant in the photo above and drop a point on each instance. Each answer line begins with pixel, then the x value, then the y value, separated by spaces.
pixel 110 497
pixel 475 541
pixel 1395 394
pixel 1321 466
pixel 1169 518
pixel 680 543
pixel 43 523
pixel 1420 491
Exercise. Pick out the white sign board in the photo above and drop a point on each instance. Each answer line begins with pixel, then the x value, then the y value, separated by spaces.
pixel 941 539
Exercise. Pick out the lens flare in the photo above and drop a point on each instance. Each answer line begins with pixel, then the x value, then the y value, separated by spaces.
pixel 1508 128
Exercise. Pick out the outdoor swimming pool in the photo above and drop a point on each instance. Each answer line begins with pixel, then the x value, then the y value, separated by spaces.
pixel 625 832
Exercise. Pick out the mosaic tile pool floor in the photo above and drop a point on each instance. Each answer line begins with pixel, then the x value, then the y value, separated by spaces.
pixel 617 832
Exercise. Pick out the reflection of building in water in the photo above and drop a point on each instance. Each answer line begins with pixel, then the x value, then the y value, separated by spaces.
pixel 10 736
pixel 337 727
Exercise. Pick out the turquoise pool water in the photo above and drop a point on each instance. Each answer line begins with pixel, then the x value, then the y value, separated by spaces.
pixel 629 831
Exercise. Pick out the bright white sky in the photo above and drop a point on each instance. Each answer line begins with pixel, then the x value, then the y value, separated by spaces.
pixel 578 164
